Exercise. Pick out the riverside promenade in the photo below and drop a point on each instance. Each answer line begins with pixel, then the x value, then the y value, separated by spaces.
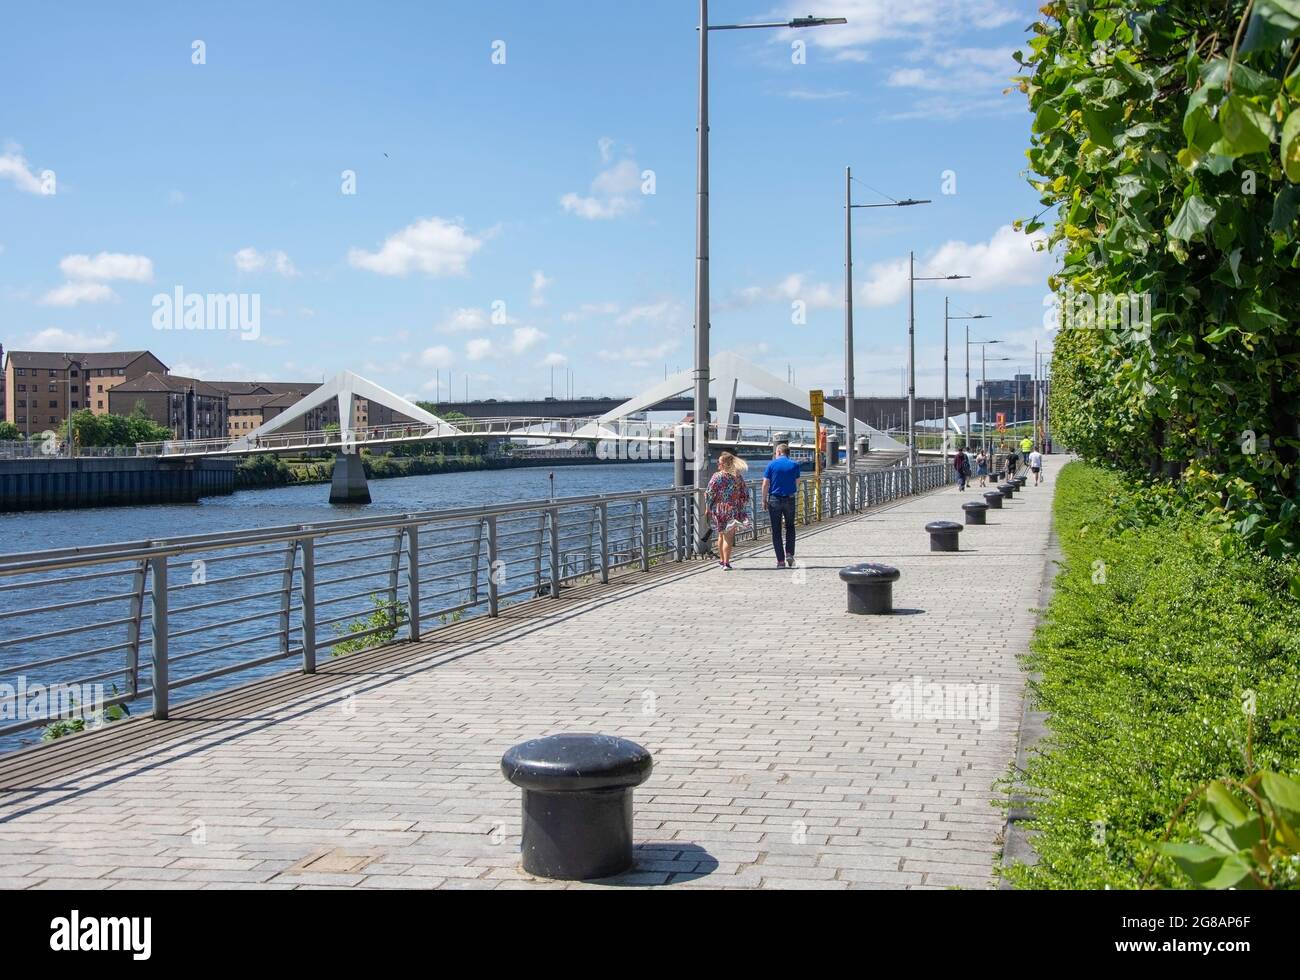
pixel 791 748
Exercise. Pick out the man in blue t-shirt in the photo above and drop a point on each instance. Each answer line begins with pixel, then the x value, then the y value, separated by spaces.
pixel 780 484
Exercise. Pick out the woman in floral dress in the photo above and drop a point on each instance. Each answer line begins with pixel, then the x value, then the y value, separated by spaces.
pixel 728 499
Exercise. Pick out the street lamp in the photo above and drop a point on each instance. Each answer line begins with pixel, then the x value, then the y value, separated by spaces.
pixel 946 318
pixel 913 279
pixel 969 345
pixel 849 208
pixel 702 245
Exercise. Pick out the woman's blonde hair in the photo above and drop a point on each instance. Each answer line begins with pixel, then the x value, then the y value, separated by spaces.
pixel 732 463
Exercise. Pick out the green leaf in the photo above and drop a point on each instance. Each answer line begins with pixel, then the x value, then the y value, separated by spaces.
pixel 1046 120
pixel 1272 22
pixel 1291 147
pixel 1220 799
pixel 1285 208
pixel 1283 793
pixel 1192 220
pixel 1246 128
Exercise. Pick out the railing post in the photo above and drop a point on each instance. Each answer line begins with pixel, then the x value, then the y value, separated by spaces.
pixel 494 603
pixel 413 580
pixel 604 543
pixel 394 576
pixel 555 554
pixel 158 668
pixel 644 511
pixel 133 629
pixel 286 595
pixel 309 605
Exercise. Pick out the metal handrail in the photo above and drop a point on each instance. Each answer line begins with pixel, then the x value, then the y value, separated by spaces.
pixel 143 611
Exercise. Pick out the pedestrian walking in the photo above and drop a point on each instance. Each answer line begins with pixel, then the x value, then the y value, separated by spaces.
pixel 728 500
pixel 1036 466
pixel 961 463
pixel 1026 447
pixel 780 484
pixel 982 468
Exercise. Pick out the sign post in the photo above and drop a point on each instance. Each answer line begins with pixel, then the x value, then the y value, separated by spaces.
pixel 817 406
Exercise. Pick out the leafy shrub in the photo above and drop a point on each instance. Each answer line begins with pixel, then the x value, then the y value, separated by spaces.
pixel 385 619
pixel 1161 633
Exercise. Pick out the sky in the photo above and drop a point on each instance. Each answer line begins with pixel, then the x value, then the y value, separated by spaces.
pixel 502 193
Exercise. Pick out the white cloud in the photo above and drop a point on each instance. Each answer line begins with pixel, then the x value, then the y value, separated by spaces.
pixel 433 246
pixel 437 357
pixel 525 339
pixel 107 266
pixel 467 319
pixel 640 356
pixel 251 260
pixel 479 349
pixel 591 309
pixel 873 21
pixel 554 360
pixel 614 192
pixel 14 167
pixel 56 339
pixel 73 293
pixel 664 313
pixel 540 284
pixel 1007 259
pixel 818 295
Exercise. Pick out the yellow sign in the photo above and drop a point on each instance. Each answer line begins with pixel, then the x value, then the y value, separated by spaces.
pixel 818 399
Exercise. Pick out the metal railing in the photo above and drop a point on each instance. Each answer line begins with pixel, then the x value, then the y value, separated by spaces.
pixel 88 628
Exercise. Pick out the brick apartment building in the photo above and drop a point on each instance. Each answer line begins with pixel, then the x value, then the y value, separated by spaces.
pixel 191 408
pixel 41 389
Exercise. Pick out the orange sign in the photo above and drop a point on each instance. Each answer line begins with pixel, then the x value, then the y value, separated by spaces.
pixel 1002 422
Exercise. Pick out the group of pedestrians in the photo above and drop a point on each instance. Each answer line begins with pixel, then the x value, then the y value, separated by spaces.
pixel 728 504
pixel 970 465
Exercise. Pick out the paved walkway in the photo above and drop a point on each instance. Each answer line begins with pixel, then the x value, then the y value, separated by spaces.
pixel 790 750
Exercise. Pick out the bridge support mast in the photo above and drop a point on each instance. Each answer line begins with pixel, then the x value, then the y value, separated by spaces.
pixel 349 485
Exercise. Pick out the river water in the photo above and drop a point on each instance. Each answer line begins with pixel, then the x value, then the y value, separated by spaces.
pixel 310 504
pixel 234 627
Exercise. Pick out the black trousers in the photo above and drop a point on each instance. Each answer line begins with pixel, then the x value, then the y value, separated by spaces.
pixel 780 510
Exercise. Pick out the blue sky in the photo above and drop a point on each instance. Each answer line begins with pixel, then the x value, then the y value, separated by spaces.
pixel 512 188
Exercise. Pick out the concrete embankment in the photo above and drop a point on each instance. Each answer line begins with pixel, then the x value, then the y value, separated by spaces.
pixel 58 484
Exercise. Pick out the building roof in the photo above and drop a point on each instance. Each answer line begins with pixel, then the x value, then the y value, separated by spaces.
pixel 40 359
pixel 115 359
pixel 154 382
pixel 250 403
pixel 265 387
pixel 61 361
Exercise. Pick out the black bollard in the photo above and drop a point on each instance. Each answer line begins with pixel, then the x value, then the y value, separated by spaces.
pixel 976 514
pixel 994 499
pixel 1020 482
pixel 944 535
pixel 1008 490
pixel 577 803
pixel 871 588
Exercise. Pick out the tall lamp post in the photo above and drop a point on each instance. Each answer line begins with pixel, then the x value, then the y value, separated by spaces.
pixel 849 208
pixel 702 320
pixel 913 279
pixel 947 318
pixel 969 344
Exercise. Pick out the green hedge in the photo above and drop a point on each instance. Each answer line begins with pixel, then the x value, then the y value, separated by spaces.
pixel 1157 634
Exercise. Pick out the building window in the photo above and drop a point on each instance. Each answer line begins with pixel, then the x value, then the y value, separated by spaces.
pixel 101 391
pixel 74 373
pixel 100 404
pixel 22 387
pixel 76 404
pixel 21 373
pixel 54 420
pixel 53 403
pixel 22 418
pixel 53 373
pixel 54 387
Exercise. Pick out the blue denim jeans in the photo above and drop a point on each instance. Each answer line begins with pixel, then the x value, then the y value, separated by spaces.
pixel 780 510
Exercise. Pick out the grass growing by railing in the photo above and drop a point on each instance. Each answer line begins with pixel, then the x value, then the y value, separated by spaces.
pixel 1165 645
pixel 385 620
